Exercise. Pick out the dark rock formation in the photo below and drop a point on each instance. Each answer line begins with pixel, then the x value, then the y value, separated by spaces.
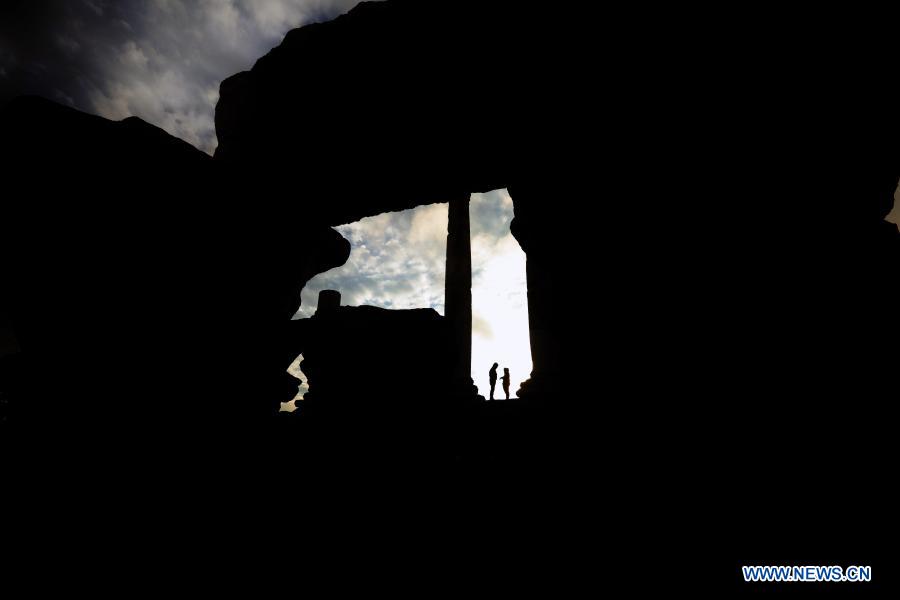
pixel 358 95
pixel 100 208
pixel 379 379
pixel 716 162
pixel 133 276
pixel 717 201
pixel 711 195
pixel 353 353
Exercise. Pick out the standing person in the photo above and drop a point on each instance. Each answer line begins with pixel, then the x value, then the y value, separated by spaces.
pixel 492 376
pixel 506 382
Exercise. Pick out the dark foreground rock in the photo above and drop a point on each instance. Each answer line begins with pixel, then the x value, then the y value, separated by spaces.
pixel 711 282
pixel 134 280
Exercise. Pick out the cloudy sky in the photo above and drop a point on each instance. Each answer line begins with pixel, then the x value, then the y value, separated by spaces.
pixel 161 60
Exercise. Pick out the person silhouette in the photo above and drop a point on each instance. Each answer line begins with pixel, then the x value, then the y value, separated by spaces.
pixel 506 382
pixel 492 376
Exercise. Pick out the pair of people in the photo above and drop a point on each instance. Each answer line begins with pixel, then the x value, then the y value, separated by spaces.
pixel 492 375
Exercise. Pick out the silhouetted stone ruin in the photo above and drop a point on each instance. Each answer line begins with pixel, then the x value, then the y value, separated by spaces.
pixel 415 361
pixel 329 301
pixel 453 341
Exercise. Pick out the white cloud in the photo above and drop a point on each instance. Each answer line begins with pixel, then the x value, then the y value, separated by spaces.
pixel 397 261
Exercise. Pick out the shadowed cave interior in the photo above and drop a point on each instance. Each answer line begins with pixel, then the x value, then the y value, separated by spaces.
pixel 710 285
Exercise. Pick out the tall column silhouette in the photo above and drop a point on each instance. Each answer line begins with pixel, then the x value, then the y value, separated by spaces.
pixel 458 286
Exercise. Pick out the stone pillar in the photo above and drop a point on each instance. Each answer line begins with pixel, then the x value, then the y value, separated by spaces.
pixel 458 286
pixel 540 235
pixel 543 324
